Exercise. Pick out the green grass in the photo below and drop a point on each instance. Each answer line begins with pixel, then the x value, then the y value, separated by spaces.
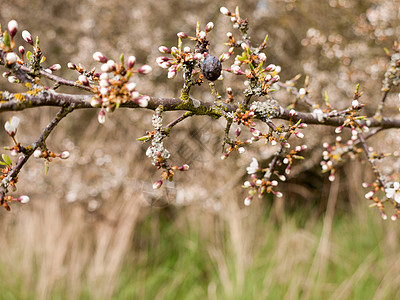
pixel 201 255
pixel 178 265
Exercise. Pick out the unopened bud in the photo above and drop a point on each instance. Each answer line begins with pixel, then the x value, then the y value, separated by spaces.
pixel 23 199
pixel 55 67
pixel 270 68
pixel 131 61
pixel 145 69
pixel 247 201
pixel 275 78
pixel 11 57
pixel 101 117
pixel 83 79
pixel 143 101
pixel 184 167
pixel 225 11
pixel 164 49
pixel 157 184
pixel 182 35
pixel 95 102
pixel 209 26
pixel 21 50
pixel 131 86
pixel 27 37
pixel 37 153
pixel 12 27
pixel 71 66
pixel 100 57
pixel 262 57
pixel 112 65
pixel 64 155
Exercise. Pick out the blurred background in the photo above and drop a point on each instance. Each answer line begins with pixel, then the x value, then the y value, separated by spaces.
pixel 95 228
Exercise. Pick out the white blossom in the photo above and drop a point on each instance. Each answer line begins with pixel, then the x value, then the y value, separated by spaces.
pixel 253 168
pixel 11 126
pixel 394 192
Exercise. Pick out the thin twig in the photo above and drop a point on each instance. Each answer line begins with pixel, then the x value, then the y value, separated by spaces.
pixel 28 151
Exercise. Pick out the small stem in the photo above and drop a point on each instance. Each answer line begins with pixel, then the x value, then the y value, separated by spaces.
pixel 167 129
pixel 375 169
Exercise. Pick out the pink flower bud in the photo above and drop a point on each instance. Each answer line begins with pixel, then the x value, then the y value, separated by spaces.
pixel 23 199
pixel 103 89
pixel 71 66
pixel 12 79
pixel 14 152
pixel 11 126
pixel 202 34
pixel 27 37
pixel 135 95
pixel 111 65
pixel 238 131
pixel 157 184
pixel 143 101
pixel 247 201
pixel 262 57
pixel 197 56
pixel 164 49
pixel 104 82
pixel 209 26
pixel 182 35
pixel 11 58
pixel 12 27
pixel 131 86
pixel 184 167
pixel 64 155
pixel 21 50
pixel 276 78
pixel 270 68
pixel 83 79
pixel 131 61
pixel 292 113
pixel 161 59
pixel 145 69
pixel 37 153
pixel 55 67
pixel 101 117
pixel 172 72
pixel 100 57
pixel 225 11
pixel 95 102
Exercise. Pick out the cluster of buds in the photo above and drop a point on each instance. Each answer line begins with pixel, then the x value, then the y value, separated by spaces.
pixel 184 56
pixel 392 74
pixel 258 186
pixel 335 154
pixel 34 58
pixel 291 156
pixel 158 153
pixel 48 155
pixel 238 22
pixel 245 118
pixel 114 85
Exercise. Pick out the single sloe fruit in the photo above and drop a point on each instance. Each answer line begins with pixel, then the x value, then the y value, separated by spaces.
pixel 211 67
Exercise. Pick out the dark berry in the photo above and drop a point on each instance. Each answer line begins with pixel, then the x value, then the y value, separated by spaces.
pixel 211 67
